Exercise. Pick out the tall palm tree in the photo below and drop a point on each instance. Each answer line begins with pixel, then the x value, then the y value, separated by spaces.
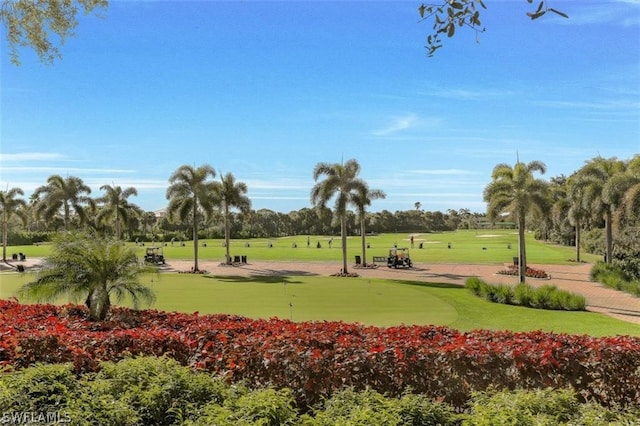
pixel 578 211
pixel 342 182
pixel 189 194
pixel 362 199
pixel 630 206
pixel 83 265
pixel 604 186
pixel 231 194
pixel 514 190
pixel 62 194
pixel 10 205
pixel 116 206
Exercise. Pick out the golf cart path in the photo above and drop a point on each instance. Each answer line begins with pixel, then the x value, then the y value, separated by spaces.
pixel 573 278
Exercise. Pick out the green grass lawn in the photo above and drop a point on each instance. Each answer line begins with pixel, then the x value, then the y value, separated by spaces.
pixel 475 246
pixel 368 301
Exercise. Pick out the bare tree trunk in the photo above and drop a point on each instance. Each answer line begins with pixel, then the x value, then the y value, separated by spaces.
pixel 522 257
pixel 364 243
pixel 609 235
pixel 227 231
pixel 4 236
pixel 195 237
pixel 577 241
pixel 343 232
pixel 98 303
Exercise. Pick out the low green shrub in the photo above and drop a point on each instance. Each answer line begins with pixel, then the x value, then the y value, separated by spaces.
pixel 474 285
pixel 543 407
pixel 523 294
pixel 41 388
pixel 268 407
pixel 370 408
pixel 612 276
pixel 118 396
pixel 160 390
pixel 544 297
pixel 504 294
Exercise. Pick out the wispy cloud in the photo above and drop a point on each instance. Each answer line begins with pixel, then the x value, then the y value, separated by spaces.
pixel 604 105
pixel 139 184
pixel 279 184
pixel 401 124
pixel 622 12
pixel 62 170
pixel 397 124
pixel 468 94
pixel 443 172
pixel 31 156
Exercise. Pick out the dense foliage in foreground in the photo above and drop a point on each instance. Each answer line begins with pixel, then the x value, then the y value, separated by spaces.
pixel 316 360
pixel 158 391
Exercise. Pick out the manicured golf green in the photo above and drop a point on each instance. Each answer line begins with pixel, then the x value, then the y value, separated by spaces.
pixel 367 301
pixel 489 246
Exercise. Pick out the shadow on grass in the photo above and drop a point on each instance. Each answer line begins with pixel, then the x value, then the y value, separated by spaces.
pixel 255 279
pixel 427 284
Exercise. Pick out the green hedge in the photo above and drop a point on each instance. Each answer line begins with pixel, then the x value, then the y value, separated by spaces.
pixel 543 297
pixel 612 276
pixel 158 391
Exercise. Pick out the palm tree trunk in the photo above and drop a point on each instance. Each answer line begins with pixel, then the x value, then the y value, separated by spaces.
pixel 522 257
pixel 117 225
pixel 609 235
pixel 227 231
pixel 577 241
pixel 364 243
pixel 195 237
pixel 66 216
pixel 98 303
pixel 4 237
pixel 343 232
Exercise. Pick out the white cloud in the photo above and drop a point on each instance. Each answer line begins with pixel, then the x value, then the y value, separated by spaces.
pixel 443 172
pixel 397 124
pixel 62 170
pixel 469 94
pixel 623 12
pixel 31 156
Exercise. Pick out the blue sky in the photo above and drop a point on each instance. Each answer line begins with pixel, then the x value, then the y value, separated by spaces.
pixel 267 89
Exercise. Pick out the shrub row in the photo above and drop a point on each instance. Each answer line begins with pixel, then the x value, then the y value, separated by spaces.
pixel 543 297
pixel 316 360
pixel 614 277
pixel 158 391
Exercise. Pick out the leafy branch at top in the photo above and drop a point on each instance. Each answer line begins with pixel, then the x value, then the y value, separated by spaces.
pixel 463 13
pixel 30 23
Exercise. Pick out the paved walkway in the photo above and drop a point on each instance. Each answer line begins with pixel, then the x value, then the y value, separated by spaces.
pixel 573 278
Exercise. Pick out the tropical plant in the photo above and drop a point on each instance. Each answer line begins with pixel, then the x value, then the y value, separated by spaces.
pixel 515 191
pixel 362 199
pixel 84 265
pixel 342 182
pixel 190 195
pixel 603 183
pixel 61 195
pixel 630 206
pixel 116 207
pixel 231 194
pixel 10 205
pixel 578 211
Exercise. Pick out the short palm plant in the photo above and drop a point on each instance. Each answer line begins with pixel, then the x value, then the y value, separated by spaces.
pixel 85 266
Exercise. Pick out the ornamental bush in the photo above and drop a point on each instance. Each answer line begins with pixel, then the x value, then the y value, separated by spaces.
pixel 543 297
pixel 317 359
